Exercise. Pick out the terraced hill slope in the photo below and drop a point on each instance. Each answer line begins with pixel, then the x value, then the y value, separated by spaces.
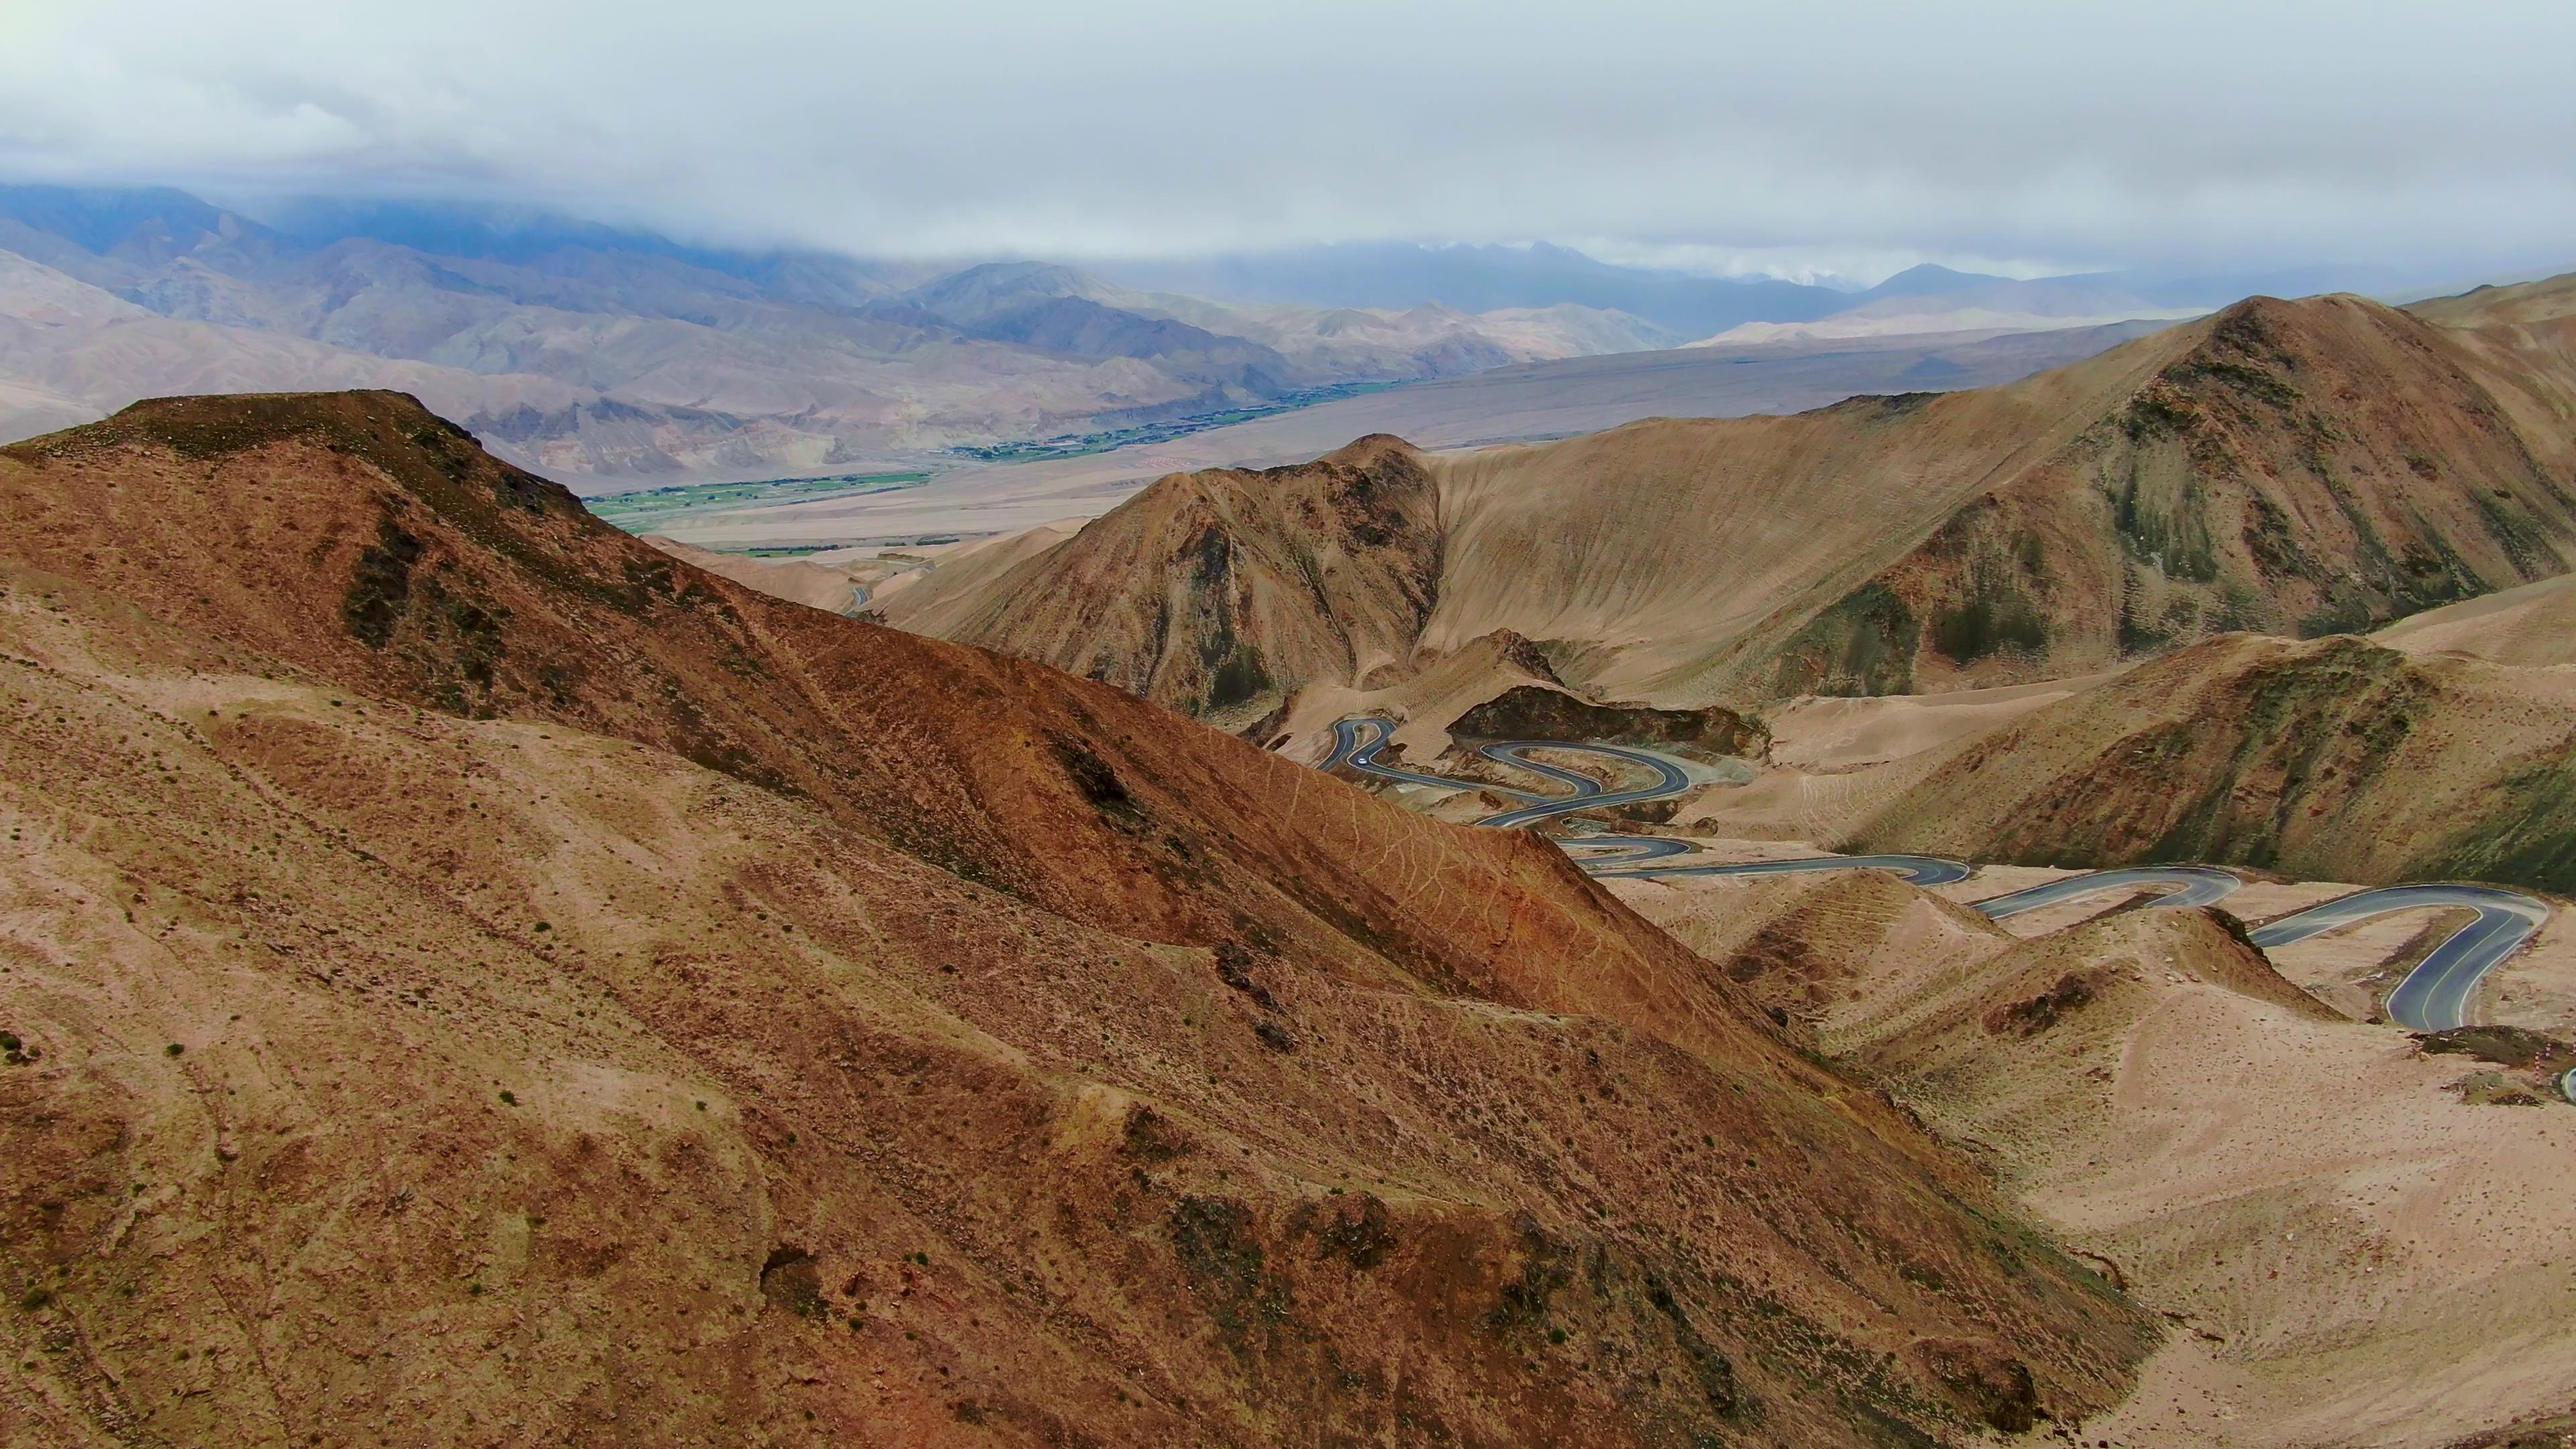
pixel 466 969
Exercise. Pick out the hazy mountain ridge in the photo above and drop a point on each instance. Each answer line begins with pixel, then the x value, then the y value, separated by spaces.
pixel 668 361
pixel 1930 299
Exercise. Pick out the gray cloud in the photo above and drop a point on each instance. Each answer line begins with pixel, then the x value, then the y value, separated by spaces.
pixel 1781 136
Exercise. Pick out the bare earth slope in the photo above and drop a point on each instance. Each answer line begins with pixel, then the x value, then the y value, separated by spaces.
pixel 476 978
pixel 2524 338
pixel 795 580
pixel 2533 626
pixel 1216 592
pixel 2288 467
pixel 2356 1254
pixel 2333 759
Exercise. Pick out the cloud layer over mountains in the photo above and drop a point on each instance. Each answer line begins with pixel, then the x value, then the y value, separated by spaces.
pixel 2083 136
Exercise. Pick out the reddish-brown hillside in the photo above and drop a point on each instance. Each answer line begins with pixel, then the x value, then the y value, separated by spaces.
pixel 473 977
pixel 1217 592
pixel 2331 759
pixel 2295 468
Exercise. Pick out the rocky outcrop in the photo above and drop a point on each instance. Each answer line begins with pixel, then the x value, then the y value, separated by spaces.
pixel 1536 712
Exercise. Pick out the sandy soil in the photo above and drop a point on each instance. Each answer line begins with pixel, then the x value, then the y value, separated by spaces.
pixel 2533 626
pixel 1820 736
pixel 2348 1253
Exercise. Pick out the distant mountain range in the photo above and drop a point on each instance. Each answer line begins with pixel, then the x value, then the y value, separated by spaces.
pixel 1932 299
pixel 598 354
pixel 1482 278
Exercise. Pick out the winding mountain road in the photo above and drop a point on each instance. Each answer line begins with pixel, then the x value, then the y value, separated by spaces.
pixel 2184 885
pixel 1357 741
pixel 2435 996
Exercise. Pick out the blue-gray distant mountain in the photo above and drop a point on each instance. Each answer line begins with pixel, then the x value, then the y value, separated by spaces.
pixel 587 350
pixel 1483 278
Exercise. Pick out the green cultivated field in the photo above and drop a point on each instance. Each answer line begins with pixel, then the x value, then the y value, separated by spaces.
pixel 648 510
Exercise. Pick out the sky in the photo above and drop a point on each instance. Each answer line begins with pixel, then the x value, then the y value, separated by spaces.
pixel 1844 137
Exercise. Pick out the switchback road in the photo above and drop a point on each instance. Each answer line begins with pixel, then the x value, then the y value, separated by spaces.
pixel 2435 996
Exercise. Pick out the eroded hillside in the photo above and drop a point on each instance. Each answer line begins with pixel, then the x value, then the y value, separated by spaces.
pixel 2295 468
pixel 2354 1250
pixel 1216 593
pixel 476 977
pixel 2331 759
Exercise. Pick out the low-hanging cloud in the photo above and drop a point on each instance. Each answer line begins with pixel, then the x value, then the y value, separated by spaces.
pixel 2245 132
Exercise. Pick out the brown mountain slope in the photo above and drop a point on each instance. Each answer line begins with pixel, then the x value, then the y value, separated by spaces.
pixel 2290 467
pixel 2287 466
pixel 469 970
pixel 795 580
pixel 1215 592
pixel 2333 759
pixel 2533 626
pixel 2345 1239
pixel 2526 337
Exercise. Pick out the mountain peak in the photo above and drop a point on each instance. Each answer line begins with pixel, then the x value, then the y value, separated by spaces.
pixel 1929 279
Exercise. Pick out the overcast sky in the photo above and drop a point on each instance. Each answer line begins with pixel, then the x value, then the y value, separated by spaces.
pixel 1854 136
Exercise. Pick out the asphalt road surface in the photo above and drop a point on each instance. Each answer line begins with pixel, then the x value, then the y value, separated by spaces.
pixel 2435 996
pixel 1357 741
pixel 2184 885
pixel 1924 870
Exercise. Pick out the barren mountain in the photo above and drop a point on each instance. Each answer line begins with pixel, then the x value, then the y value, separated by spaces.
pixel 2290 467
pixel 2334 759
pixel 2347 1243
pixel 2534 625
pixel 1429 340
pixel 604 354
pixel 1952 302
pixel 471 976
pixel 1214 591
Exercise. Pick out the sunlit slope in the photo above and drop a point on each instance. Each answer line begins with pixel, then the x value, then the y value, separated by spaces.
pixel 607 997
pixel 2285 466
pixel 2293 468
pixel 2332 759
pixel 1217 593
